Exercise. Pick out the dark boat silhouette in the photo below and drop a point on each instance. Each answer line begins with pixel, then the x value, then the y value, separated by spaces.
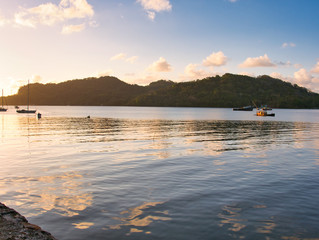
pixel 2 109
pixel 246 108
pixel 27 110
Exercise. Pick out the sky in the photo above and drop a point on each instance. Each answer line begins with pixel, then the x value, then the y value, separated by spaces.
pixel 142 41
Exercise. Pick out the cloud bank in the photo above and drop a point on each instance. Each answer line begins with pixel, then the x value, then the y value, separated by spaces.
pixel 301 77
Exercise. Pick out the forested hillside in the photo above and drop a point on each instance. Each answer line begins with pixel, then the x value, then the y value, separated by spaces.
pixel 228 90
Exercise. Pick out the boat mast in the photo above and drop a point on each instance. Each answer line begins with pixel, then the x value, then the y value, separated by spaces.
pixel 28 96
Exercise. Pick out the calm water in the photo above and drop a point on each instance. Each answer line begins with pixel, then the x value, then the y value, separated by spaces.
pixel 163 173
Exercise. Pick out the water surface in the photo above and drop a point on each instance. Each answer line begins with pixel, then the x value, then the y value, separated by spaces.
pixel 163 173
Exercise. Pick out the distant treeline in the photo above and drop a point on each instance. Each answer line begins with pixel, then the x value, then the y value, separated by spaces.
pixel 228 90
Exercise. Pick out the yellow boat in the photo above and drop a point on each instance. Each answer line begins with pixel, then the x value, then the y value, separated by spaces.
pixel 264 113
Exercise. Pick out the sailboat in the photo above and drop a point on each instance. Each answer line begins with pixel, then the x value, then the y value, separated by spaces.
pixel 2 109
pixel 27 110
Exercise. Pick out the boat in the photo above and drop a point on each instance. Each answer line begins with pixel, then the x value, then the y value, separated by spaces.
pixel 264 113
pixel 2 109
pixel 246 108
pixel 265 107
pixel 27 110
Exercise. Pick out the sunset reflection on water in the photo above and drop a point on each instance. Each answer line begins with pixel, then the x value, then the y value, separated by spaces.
pixel 148 178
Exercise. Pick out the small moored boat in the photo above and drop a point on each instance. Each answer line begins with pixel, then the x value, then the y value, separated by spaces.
pixel 2 109
pixel 264 113
pixel 265 107
pixel 246 108
pixel 27 110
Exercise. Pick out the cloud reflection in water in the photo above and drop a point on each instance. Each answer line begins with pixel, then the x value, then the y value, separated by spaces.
pixel 233 218
pixel 63 194
pixel 141 216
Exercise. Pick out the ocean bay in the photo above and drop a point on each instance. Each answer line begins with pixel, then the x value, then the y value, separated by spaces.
pixel 158 173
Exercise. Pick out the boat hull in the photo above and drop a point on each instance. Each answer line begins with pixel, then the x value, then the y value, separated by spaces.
pixel 26 111
pixel 265 114
pixel 248 108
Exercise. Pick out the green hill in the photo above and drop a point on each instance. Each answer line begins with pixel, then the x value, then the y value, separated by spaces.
pixel 228 90
pixel 108 91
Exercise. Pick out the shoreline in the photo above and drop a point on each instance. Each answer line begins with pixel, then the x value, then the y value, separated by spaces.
pixel 15 226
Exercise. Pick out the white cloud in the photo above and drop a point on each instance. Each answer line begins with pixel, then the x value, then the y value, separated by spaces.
pixel 284 64
pixel 68 29
pixel 156 5
pixel 151 15
pixel 93 24
pixel 131 59
pixel 215 59
pixel 36 79
pixel 153 6
pixel 233 1
pixel 247 74
pixel 285 45
pixel 280 76
pixel 297 65
pixel 120 56
pixel 20 20
pixel 46 14
pixel 192 71
pixel 161 65
pixel 143 79
pixel 316 68
pixel 131 74
pixel 76 9
pixel 3 20
pixel 262 61
pixel 301 78
pixel 305 79
pixel 105 73
pixel 50 13
pixel 14 85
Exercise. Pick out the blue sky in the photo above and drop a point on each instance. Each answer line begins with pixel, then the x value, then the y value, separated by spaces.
pixel 140 41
